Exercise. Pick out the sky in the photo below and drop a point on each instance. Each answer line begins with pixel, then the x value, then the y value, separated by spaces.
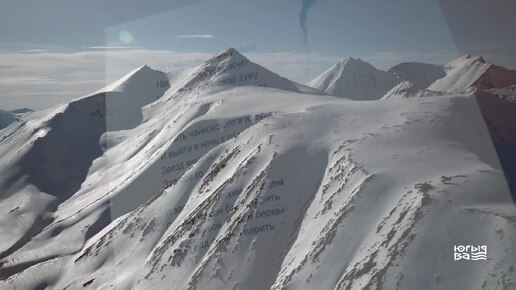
pixel 56 50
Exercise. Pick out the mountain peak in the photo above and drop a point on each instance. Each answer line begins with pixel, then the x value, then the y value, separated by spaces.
pixel 479 59
pixel 468 73
pixel 349 59
pixel 472 58
pixel 355 79
pixel 138 75
pixel 468 56
pixel 229 68
pixel 465 56
pixel 227 54
pixel 354 62
pixel 464 60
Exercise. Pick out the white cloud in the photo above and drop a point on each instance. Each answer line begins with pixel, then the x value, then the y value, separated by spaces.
pixel 114 47
pixel 35 50
pixel 194 36
pixel 22 80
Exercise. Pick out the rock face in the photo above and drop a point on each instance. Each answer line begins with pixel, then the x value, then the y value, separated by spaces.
pixel 228 176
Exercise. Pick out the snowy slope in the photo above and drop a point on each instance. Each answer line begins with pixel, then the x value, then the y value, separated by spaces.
pixel 406 89
pixel 258 183
pixel 6 118
pixel 461 74
pixel 355 79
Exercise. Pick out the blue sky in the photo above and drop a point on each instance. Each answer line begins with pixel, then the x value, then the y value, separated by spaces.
pixel 335 27
pixel 51 51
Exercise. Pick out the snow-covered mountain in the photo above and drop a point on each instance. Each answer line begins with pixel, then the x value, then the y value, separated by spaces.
pixel 228 176
pixel 355 79
pixel 229 68
pixel 473 73
pixel 462 75
pixel 6 118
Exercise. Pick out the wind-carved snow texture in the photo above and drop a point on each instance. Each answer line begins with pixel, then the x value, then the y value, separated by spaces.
pixel 228 176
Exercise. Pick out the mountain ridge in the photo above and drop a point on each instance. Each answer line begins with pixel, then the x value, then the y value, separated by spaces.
pixel 461 75
pixel 355 79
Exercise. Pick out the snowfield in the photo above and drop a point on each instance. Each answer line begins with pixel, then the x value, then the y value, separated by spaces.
pixel 229 176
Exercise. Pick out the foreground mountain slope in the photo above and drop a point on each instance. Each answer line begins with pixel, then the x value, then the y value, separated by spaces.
pixel 257 184
pixel 47 156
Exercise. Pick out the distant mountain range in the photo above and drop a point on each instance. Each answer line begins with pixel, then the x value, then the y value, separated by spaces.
pixel 359 80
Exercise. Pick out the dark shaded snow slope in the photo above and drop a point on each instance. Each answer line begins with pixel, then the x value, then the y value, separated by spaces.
pixel 420 74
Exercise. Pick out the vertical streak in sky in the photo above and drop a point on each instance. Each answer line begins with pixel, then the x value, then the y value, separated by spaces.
pixel 303 14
